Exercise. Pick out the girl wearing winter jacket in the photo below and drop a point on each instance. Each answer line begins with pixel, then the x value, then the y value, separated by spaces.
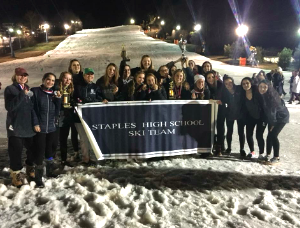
pixel 200 92
pixel 134 90
pixel 153 92
pixel 254 116
pixel 181 89
pixel 146 65
pixel 46 107
pixel 232 100
pixel 19 125
pixel 277 117
pixel 295 88
pixel 109 83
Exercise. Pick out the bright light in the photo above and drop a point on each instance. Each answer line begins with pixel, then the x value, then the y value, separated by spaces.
pixel 162 22
pixel 242 30
pixel 299 31
pixel 10 30
pixel 132 21
pixel 158 17
pixel 178 27
pixel 4 38
pixel 19 32
pixel 76 22
pixel 72 22
pixel 67 26
pixel 197 27
pixel 46 26
pixel 32 33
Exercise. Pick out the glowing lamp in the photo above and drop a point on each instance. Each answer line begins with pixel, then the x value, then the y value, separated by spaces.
pixel 242 30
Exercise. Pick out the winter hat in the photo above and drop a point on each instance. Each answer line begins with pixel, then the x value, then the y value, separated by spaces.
pixel 21 71
pixel 197 77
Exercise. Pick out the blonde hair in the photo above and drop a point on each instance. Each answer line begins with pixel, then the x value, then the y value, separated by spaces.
pixel 13 78
pixel 70 88
pixel 151 65
pixel 115 77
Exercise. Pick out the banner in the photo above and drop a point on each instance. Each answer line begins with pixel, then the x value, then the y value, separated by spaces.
pixel 121 130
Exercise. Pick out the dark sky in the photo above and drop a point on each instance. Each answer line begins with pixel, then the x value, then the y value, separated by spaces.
pixel 272 23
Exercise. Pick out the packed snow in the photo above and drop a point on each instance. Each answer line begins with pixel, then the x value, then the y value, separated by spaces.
pixel 181 191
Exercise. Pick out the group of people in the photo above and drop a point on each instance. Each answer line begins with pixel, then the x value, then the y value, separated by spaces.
pixel 40 117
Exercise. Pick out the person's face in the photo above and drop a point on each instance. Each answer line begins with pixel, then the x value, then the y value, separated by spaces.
pixel 229 84
pixel 146 62
pixel 67 79
pixel 126 72
pixel 210 79
pixel 164 71
pixel 75 67
pixel 140 79
pixel 246 84
pixel 89 77
pixel 111 71
pixel 49 81
pixel 173 69
pixel 178 77
pixel 200 84
pixel 263 88
pixel 150 80
pixel 21 79
pixel 206 67
pixel 191 64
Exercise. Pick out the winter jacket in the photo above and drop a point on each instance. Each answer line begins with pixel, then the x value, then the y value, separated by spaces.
pixel 253 109
pixel 107 91
pixel 87 92
pixel 46 109
pixel 278 81
pixel 296 85
pixel 182 93
pixel 159 94
pixel 78 78
pixel 234 107
pixel 277 114
pixel 19 112
pixel 215 92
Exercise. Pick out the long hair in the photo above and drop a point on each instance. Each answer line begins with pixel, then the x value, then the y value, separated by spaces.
pixel 114 78
pixel 179 71
pixel 121 71
pixel 47 75
pixel 70 65
pixel 205 63
pixel 215 81
pixel 271 97
pixel 70 88
pixel 132 84
pixel 141 63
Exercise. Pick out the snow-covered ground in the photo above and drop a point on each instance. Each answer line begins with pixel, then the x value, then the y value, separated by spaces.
pixel 182 191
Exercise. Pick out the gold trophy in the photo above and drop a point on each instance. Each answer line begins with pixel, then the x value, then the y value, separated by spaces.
pixel 124 54
pixel 66 99
pixel 171 91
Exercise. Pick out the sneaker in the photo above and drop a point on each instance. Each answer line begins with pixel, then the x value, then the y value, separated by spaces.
pixel 251 154
pixel 261 158
pixel 273 161
pixel 267 158
pixel 228 151
pixel 242 153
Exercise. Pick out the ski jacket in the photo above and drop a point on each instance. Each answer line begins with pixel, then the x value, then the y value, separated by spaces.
pixel 19 112
pixel 296 84
pixel 46 109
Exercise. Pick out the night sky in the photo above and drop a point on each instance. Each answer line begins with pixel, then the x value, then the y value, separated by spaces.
pixel 272 23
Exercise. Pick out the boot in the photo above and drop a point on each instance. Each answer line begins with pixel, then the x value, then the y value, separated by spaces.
pixel 30 172
pixel 18 178
pixel 39 176
pixel 50 168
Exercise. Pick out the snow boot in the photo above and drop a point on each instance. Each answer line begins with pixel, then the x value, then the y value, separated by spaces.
pixel 30 172
pixel 18 178
pixel 39 176
pixel 50 166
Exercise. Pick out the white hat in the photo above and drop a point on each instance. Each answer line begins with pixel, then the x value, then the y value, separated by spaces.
pixel 197 77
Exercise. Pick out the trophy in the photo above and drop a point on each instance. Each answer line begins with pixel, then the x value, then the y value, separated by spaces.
pixel 171 91
pixel 124 54
pixel 182 46
pixel 66 99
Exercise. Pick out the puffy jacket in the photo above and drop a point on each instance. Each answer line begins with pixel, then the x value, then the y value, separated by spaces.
pixel 107 91
pixel 19 112
pixel 46 109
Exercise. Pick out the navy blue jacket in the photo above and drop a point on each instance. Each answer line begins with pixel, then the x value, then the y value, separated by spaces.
pixel 19 112
pixel 46 110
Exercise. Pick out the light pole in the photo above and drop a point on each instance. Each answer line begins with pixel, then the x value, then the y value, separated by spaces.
pixel 12 53
pixel 19 33
pixel 178 27
pixel 67 27
pixel 132 21
pixel 242 30
pixel 197 27
pixel 162 22
pixel 46 26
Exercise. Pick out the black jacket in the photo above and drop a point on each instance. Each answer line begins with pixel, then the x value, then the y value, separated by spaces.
pixel 46 109
pixel 107 91
pixel 78 78
pixel 184 93
pixel 253 108
pixel 234 107
pixel 275 114
pixel 19 112
pixel 159 94
pixel 138 95
pixel 216 92
pixel 86 93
